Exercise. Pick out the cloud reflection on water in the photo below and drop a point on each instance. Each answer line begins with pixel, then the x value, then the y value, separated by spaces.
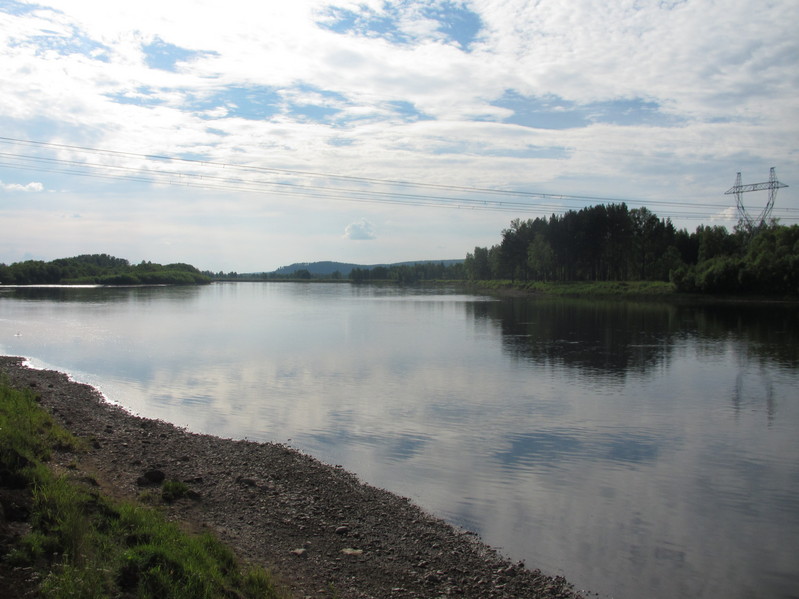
pixel 636 448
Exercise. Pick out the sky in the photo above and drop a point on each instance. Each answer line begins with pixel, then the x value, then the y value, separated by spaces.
pixel 244 136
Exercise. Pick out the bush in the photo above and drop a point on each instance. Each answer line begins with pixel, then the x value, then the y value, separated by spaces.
pixel 719 275
pixel 173 490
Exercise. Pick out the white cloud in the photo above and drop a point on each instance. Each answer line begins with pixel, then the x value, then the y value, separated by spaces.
pixel 727 217
pixel 33 186
pixel 420 109
pixel 361 229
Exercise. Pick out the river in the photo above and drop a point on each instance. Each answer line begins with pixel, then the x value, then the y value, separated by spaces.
pixel 642 448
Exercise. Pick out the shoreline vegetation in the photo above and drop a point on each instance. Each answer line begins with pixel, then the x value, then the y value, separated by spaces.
pixel 97 502
pixel 99 269
pixel 605 250
pixel 599 250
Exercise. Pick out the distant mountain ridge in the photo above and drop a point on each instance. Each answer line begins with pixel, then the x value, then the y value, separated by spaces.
pixel 327 268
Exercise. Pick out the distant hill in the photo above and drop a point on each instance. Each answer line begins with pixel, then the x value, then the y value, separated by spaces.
pixel 328 268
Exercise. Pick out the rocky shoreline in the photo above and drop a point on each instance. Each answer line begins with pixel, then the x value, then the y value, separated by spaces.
pixel 321 531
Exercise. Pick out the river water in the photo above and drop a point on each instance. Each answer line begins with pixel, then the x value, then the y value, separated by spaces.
pixel 637 448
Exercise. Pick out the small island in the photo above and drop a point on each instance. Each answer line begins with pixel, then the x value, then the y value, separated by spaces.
pixel 99 269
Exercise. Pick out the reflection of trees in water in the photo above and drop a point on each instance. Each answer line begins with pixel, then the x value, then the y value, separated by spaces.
pixel 110 294
pixel 600 337
pixel 743 394
pixel 762 332
pixel 607 337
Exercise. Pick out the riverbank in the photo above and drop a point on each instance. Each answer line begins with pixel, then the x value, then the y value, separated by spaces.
pixel 323 532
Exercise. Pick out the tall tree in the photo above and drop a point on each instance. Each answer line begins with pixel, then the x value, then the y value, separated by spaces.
pixel 540 258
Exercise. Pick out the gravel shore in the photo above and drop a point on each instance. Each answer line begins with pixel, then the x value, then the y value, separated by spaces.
pixel 323 532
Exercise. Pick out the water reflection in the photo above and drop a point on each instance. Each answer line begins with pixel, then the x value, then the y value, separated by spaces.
pixel 618 337
pixel 100 294
pixel 608 338
pixel 681 487
pixel 548 449
pixel 638 448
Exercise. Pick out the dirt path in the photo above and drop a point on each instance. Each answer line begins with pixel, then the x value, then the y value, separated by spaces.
pixel 320 529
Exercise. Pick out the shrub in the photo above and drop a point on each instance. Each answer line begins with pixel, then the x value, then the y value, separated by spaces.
pixel 173 489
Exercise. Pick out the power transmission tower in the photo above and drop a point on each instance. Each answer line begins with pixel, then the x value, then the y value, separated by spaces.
pixel 744 218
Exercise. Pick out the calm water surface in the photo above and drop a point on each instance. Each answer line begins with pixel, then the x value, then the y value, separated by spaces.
pixel 639 449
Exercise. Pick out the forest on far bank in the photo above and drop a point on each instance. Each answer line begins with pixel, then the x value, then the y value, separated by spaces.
pixel 99 269
pixel 615 243
pixel 598 243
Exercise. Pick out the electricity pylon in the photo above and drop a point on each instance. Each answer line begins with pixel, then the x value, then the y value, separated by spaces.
pixel 744 218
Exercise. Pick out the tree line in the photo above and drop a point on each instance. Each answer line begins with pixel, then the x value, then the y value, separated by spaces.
pixel 409 273
pixel 615 243
pixel 99 269
pixel 598 243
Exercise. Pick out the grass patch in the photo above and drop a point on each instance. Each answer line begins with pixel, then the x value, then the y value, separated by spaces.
pixel 173 490
pixel 84 545
pixel 28 434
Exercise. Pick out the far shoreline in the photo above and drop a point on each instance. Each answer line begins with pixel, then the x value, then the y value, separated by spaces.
pixel 506 288
pixel 618 290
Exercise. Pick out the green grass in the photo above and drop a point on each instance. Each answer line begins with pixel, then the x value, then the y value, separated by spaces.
pixel 85 545
pixel 173 490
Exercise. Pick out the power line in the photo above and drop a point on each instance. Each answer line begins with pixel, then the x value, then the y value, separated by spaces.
pixel 236 184
pixel 203 180
pixel 334 176
pixel 199 182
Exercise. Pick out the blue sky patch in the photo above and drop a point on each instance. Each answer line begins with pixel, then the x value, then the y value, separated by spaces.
pixel 259 103
pixel 74 42
pixel 253 102
pixel 165 56
pixel 629 112
pixel 77 44
pixel 552 112
pixel 456 24
pixel 12 7
pixel 366 23
pixel 540 113
pixel 313 104
pixel 407 111
pixel 312 112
